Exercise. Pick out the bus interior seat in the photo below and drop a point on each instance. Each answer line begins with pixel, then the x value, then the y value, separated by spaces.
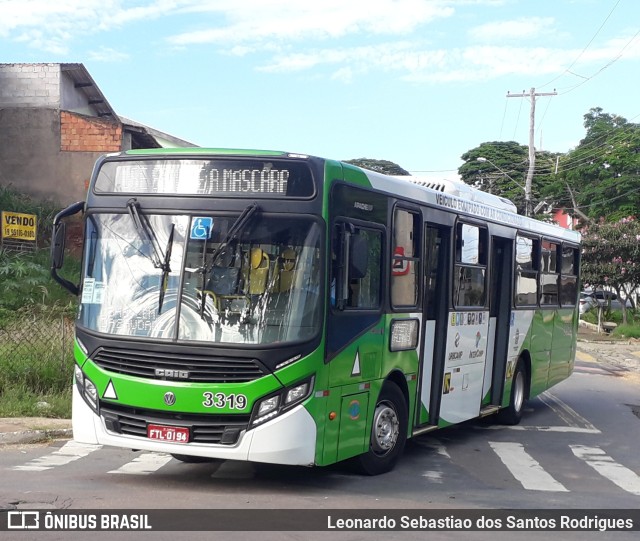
pixel 286 270
pixel 224 278
pixel 258 271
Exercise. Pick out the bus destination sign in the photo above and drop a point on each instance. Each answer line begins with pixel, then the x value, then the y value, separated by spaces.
pixel 222 177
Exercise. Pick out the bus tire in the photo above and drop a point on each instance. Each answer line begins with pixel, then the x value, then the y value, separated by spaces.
pixel 512 414
pixel 388 432
pixel 190 459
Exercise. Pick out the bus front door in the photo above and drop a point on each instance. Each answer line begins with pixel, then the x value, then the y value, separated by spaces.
pixel 500 295
pixel 434 326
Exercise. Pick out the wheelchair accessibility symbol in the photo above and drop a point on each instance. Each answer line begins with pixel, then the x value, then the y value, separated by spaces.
pixel 201 228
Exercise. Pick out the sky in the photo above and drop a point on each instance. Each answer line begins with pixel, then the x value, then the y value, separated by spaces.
pixel 416 82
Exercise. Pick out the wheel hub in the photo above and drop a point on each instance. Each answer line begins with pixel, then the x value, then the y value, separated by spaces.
pixel 386 427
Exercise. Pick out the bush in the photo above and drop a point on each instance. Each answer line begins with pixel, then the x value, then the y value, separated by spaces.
pixel 614 316
pixel 25 281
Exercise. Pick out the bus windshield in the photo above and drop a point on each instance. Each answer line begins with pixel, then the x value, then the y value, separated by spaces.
pixel 260 287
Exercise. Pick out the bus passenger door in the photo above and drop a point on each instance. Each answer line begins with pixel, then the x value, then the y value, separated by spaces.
pixel 500 295
pixel 433 335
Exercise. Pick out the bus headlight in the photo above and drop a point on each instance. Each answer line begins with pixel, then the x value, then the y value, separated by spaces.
pixel 79 376
pixel 91 393
pixel 268 405
pixel 86 388
pixel 297 393
pixel 276 404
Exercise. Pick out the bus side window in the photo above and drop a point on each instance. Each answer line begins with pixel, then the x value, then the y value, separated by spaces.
pixel 356 274
pixel 549 273
pixel 469 285
pixel 405 259
pixel 569 276
pixel 526 272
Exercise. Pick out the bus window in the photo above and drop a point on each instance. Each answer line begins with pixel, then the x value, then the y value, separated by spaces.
pixel 471 266
pixel 526 271
pixel 569 276
pixel 261 288
pixel 405 259
pixel 354 286
pixel 549 273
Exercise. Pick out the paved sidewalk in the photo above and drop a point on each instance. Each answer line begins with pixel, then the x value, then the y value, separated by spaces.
pixel 33 429
pixel 621 357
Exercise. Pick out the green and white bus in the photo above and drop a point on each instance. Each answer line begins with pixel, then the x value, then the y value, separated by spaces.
pixel 281 308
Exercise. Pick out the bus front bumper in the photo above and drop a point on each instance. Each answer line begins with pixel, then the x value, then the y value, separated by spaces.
pixel 288 439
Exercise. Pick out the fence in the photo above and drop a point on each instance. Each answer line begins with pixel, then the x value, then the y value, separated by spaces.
pixel 37 352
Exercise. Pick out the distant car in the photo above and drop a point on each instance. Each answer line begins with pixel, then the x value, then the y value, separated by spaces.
pixel 590 299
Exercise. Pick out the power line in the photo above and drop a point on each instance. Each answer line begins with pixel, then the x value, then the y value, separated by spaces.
pixel 504 115
pixel 567 70
pixel 608 64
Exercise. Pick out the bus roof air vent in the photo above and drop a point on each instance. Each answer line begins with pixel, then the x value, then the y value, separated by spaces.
pixel 463 191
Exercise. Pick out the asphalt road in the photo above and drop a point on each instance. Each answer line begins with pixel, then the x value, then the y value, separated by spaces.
pixel 576 448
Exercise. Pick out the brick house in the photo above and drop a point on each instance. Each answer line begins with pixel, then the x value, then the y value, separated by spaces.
pixel 54 123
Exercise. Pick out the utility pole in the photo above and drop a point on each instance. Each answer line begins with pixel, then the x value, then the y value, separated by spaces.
pixel 532 149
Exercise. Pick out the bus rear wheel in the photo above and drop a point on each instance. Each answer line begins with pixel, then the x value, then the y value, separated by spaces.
pixel 388 432
pixel 512 414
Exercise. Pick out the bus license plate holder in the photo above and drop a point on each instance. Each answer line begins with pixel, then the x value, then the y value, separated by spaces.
pixel 172 434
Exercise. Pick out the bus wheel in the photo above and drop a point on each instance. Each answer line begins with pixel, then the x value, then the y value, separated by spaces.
pixel 512 414
pixel 388 432
pixel 190 459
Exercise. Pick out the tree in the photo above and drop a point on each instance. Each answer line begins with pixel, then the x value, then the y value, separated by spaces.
pixel 380 166
pixel 500 168
pixel 611 257
pixel 600 177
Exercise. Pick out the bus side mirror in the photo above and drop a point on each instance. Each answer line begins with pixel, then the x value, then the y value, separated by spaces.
pixel 358 257
pixel 58 244
pixel 58 241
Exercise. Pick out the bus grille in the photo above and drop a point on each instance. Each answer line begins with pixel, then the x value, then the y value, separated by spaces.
pixel 178 366
pixel 212 429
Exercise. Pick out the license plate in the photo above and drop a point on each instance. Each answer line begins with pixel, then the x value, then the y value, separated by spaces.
pixel 174 434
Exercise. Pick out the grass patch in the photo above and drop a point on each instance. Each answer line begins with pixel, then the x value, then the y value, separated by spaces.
pixel 630 330
pixel 36 365
pixel 21 401
pixel 627 331
pixel 36 320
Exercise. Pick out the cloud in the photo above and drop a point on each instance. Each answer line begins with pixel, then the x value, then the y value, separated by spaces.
pixel 411 62
pixel 107 54
pixel 57 23
pixel 519 29
pixel 338 39
pixel 250 21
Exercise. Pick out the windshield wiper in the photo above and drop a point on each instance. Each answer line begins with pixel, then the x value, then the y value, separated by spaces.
pixel 232 234
pixel 166 269
pixel 147 234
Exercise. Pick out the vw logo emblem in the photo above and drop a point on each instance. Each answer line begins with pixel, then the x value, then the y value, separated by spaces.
pixel 169 399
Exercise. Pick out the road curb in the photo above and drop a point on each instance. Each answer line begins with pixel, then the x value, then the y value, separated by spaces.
pixel 34 436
